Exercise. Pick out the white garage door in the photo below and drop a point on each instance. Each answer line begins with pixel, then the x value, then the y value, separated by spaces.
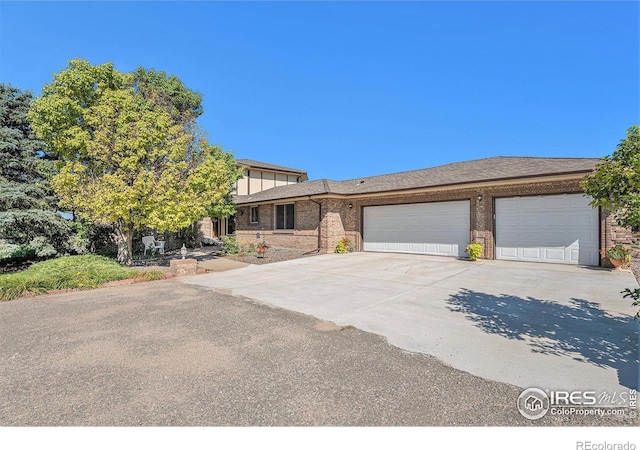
pixel 440 228
pixel 550 228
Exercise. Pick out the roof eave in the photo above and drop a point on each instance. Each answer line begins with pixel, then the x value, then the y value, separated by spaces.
pixel 446 186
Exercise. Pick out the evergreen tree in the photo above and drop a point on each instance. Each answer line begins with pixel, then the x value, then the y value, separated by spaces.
pixel 29 222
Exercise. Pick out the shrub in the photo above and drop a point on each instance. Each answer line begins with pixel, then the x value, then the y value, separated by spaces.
pixel 67 272
pixel 229 245
pixel 345 245
pixel 635 296
pixel 42 247
pixel 38 248
pixel 7 250
pixel 191 236
pixel 474 250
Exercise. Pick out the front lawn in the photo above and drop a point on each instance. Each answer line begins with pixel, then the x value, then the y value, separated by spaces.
pixel 68 272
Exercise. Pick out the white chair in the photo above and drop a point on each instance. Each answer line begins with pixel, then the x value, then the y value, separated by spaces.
pixel 150 242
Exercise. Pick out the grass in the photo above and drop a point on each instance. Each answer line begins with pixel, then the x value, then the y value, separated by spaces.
pixel 68 272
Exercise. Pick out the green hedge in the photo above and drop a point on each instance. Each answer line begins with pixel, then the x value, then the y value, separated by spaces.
pixel 68 272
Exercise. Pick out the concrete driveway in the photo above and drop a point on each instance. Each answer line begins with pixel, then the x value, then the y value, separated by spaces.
pixel 531 325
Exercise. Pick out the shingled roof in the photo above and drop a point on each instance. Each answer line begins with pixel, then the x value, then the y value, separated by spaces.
pixel 479 170
pixel 252 164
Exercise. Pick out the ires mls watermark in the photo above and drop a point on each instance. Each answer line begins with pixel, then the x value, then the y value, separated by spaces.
pixel 534 403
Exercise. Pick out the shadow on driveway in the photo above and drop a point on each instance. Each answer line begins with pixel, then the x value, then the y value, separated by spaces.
pixel 581 330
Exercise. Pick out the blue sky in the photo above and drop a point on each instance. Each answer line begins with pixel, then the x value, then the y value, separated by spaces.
pixel 349 89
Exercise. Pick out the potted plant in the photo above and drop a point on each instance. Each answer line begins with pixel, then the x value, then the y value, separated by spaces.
pixel 262 247
pixel 619 255
pixel 474 250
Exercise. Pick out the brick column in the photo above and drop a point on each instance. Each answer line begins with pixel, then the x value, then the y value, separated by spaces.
pixel 331 224
pixel 482 223
pixel 181 267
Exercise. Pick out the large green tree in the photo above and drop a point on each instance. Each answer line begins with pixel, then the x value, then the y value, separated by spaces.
pixel 28 210
pixel 131 152
pixel 615 182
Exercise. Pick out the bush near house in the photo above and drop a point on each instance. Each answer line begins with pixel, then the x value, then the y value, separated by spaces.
pixel 229 245
pixel 474 250
pixel 68 272
pixel 345 246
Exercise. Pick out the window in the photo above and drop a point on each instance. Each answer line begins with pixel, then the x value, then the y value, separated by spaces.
pixel 231 225
pixel 285 217
pixel 253 214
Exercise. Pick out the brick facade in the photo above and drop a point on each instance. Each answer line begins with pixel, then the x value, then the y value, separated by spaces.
pixel 333 218
pixel 303 237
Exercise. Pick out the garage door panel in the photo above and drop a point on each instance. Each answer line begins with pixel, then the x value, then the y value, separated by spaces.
pixel 581 220
pixel 527 237
pixel 531 252
pixel 555 254
pixel 528 203
pixel 510 204
pixel 507 253
pixel 509 220
pixel 554 202
pixel 509 236
pixel 554 220
pixel 575 255
pixel 428 228
pixel 579 201
pixel 447 249
pixel 586 257
pixel 559 238
pixel 529 220
pixel 552 228
pixel 584 237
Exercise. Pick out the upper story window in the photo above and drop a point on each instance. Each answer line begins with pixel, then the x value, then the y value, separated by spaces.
pixel 253 214
pixel 285 215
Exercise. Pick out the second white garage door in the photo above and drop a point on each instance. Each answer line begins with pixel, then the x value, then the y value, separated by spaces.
pixel 440 228
pixel 549 228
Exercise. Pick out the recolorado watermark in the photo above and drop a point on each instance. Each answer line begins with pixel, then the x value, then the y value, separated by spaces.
pixel 588 445
pixel 534 403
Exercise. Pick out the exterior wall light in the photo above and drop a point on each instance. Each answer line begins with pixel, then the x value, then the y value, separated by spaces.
pixel 350 205
pixel 479 197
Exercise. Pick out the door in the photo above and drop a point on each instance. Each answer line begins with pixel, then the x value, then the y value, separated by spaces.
pixel 438 228
pixel 560 229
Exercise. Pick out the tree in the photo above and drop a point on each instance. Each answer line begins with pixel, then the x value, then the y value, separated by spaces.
pixel 615 185
pixel 615 182
pixel 131 153
pixel 29 221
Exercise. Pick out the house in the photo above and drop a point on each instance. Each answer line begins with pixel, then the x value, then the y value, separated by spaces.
pixel 518 208
pixel 258 176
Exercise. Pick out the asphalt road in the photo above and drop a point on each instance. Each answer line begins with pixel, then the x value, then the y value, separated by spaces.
pixel 168 354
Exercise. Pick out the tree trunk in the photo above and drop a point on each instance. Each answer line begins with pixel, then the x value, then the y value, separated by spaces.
pixel 125 243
